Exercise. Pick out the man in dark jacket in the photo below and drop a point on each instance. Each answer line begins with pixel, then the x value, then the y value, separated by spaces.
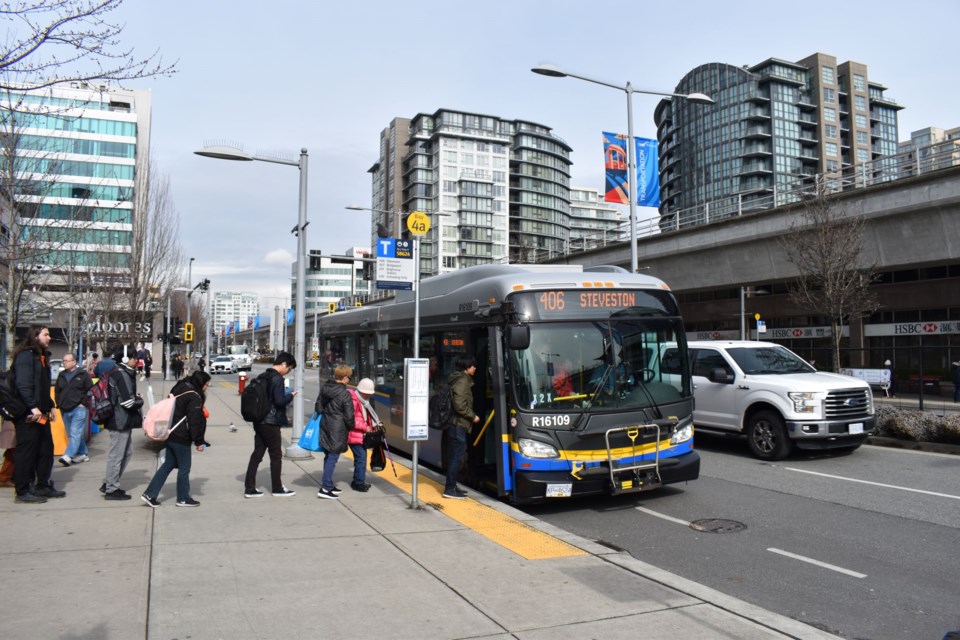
pixel 336 405
pixel 461 393
pixel 126 417
pixel 31 367
pixel 71 391
pixel 266 434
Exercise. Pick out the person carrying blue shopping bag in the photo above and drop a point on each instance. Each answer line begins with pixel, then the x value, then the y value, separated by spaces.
pixel 336 405
pixel 310 438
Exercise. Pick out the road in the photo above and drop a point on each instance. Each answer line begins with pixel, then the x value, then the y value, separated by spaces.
pixel 865 545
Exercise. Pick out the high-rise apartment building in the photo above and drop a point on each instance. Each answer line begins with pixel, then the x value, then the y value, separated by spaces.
pixel 495 189
pixel 230 307
pixel 593 222
pixel 930 148
pixel 79 153
pixel 771 126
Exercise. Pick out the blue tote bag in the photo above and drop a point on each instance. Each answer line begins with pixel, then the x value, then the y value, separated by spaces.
pixel 310 438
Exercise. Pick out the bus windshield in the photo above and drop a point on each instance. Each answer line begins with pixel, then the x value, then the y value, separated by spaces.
pixel 620 363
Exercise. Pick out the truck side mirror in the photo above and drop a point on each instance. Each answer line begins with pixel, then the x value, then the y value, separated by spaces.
pixel 721 375
pixel 518 337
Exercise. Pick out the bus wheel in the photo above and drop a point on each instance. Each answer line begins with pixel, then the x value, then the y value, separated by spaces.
pixel 768 436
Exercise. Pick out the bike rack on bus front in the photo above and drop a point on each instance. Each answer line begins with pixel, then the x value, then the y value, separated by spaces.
pixel 638 481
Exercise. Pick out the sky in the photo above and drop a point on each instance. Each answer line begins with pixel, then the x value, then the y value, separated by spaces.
pixel 329 76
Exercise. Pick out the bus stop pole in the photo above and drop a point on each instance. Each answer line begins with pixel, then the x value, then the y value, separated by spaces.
pixel 416 354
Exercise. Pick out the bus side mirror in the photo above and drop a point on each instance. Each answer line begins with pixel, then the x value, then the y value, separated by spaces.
pixel 519 337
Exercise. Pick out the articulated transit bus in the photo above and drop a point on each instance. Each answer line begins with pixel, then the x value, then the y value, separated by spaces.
pixel 582 385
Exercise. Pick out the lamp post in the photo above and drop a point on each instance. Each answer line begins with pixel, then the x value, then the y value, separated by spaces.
pixel 553 71
pixel 189 300
pixel 225 152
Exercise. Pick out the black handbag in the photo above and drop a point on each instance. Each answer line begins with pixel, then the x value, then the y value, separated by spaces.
pixel 373 439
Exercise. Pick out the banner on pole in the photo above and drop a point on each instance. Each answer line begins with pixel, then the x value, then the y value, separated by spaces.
pixel 617 188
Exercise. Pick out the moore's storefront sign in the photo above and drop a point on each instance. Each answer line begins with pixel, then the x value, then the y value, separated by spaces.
pixel 108 328
pixel 913 328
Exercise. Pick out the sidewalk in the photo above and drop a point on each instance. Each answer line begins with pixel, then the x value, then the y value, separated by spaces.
pixel 366 566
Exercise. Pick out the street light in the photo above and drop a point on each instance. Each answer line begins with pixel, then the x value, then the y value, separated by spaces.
pixel 227 152
pixel 553 71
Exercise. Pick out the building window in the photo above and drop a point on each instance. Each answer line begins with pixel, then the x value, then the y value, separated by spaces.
pixel 833 165
pixel 859 84
pixel 862 137
pixel 827 75
pixel 829 95
pixel 860 103
pixel 831 148
pixel 830 114
pixel 830 131
pixel 862 155
pixel 861 121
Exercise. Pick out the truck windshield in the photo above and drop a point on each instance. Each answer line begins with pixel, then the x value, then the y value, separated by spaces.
pixel 769 360
pixel 623 363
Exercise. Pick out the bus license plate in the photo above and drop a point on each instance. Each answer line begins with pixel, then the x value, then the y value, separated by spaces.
pixel 559 490
pixel 856 427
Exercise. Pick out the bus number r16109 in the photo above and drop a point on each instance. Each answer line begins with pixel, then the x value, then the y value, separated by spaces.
pixel 551 421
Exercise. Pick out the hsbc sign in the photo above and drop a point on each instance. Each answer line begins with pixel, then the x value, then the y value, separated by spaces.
pixel 913 328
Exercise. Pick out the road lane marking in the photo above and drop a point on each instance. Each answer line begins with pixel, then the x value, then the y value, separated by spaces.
pixel 825 565
pixel 663 516
pixel 876 484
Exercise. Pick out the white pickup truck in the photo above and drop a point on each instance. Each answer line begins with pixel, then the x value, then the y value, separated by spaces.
pixel 771 395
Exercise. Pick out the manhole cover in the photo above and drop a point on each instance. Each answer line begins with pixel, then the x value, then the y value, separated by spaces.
pixel 716 525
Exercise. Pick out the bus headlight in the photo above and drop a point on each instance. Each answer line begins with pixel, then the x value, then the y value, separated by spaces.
pixel 682 435
pixel 534 449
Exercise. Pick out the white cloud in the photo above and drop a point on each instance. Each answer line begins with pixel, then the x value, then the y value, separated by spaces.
pixel 278 257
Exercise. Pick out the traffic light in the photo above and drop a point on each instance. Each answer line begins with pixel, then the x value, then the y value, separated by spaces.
pixel 331 307
pixel 188 332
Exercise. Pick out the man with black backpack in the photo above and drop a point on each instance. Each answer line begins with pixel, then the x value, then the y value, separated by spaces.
pixel 266 427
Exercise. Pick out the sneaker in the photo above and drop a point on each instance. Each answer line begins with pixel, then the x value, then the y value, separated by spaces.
pixel 29 498
pixel 66 461
pixel 49 492
pixel 151 502
pixel 327 494
pixel 360 486
pixel 461 493
pixel 103 488
pixel 285 493
pixel 189 502
pixel 119 494
pixel 454 494
pixel 253 493
pixel 336 490
pixel 79 459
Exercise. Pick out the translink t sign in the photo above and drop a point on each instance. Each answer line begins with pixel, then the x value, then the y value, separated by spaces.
pixel 395 265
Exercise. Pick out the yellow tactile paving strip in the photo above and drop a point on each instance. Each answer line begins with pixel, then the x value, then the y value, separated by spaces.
pixel 510 533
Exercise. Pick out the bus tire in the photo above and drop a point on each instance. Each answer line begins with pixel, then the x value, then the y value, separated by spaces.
pixel 767 436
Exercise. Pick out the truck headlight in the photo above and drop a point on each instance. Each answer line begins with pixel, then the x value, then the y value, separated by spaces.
pixel 805 402
pixel 533 449
pixel 682 435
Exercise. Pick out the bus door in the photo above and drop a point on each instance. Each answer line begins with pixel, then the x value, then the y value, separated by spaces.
pixel 487 444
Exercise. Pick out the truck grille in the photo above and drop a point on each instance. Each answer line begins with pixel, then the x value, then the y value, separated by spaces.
pixel 847 403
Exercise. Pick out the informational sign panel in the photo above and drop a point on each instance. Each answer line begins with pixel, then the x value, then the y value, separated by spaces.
pixel 395 264
pixel 873 377
pixel 416 397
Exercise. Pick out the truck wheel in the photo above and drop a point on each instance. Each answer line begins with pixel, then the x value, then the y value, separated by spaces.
pixel 768 436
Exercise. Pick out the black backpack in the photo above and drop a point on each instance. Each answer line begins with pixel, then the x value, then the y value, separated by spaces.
pixel 440 408
pixel 12 406
pixel 255 401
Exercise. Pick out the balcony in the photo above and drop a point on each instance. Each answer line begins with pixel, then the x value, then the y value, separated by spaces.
pixel 756 132
pixel 758 114
pixel 755 150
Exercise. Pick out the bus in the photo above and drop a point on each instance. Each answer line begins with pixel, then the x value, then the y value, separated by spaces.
pixel 583 383
pixel 240 353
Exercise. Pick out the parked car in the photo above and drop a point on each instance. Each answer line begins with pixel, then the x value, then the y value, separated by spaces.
pixel 774 397
pixel 223 364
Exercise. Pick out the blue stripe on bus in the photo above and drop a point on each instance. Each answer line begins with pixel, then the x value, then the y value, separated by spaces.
pixel 521 463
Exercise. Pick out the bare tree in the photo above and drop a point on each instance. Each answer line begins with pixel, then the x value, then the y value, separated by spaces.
pixel 51 41
pixel 826 246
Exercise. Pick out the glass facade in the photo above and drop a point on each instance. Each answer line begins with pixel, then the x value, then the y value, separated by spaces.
pixel 772 127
